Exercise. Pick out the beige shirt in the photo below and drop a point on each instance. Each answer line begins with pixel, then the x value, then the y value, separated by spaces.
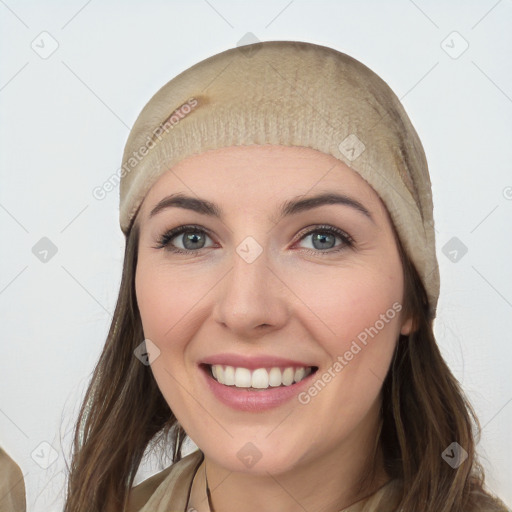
pixel 12 485
pixel 169 490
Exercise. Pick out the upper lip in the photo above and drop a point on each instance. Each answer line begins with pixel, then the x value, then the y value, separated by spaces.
pixel 262 361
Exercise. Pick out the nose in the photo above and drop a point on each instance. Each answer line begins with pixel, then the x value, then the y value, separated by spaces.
pixel 251 299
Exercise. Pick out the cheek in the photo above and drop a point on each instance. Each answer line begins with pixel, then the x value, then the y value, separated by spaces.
pixel 345 301
pixel 357 322
pixel 359 327
pixel 165 305
pixel 152 301
pixel 165 301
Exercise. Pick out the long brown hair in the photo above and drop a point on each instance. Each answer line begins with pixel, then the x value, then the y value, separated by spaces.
pixel 423 411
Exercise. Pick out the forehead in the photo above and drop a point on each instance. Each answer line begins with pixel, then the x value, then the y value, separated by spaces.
pixel 259 173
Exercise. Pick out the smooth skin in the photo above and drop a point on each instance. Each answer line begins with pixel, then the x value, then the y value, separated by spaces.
pixel 299 299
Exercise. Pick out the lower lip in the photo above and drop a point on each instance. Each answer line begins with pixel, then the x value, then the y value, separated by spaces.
pixel 254 401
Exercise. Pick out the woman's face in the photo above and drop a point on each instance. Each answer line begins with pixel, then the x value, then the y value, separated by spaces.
pixel 267 286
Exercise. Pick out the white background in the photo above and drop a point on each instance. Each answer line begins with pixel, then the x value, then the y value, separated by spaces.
pixel 64 122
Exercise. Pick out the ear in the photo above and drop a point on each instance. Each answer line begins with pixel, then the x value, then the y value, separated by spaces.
pixel 406 327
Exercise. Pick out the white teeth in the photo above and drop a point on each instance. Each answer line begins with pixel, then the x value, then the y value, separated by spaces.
pixel 299 374
pixel 288 376
pixel 275 377
pixel 261 378
pixel 229 376
pixel 242 377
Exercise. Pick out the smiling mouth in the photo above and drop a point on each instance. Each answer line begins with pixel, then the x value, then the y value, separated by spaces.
pixel 258 379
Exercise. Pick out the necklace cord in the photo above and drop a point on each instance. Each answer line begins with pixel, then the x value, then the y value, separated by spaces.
pixel 210 506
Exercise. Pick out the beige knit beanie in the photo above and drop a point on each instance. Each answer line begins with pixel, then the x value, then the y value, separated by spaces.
pixel 292 94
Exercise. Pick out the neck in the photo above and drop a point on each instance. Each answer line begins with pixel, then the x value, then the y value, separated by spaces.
pixel 327 482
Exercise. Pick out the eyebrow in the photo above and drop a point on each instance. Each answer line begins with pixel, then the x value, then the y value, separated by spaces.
pixel 288 208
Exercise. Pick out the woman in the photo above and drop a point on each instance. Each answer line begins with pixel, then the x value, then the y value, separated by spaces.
pixel 280 267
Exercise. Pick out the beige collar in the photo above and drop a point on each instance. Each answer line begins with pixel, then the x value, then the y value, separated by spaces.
pixel 171 487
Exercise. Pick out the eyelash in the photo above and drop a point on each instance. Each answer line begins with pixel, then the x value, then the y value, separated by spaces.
pixel 164 240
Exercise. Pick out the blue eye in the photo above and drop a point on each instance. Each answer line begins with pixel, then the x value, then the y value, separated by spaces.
pixel 193 239
pixel 323 237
